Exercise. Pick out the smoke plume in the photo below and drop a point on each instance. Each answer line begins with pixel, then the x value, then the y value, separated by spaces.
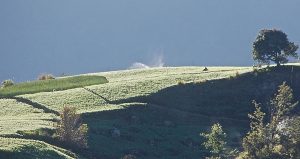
pixel 156 62
pixel 138 65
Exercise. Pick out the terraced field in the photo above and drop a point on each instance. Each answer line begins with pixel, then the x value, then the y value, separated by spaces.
pixel 16 116
pixel 159 111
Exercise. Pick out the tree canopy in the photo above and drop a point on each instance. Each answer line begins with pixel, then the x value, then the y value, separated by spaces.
pixel 275 139
pixel 273 45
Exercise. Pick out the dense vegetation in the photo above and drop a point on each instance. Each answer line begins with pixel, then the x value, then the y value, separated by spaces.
pixel 271 136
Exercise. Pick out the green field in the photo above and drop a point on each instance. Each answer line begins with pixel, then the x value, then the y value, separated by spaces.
pixel 128 84
pixel 16 116
pixel 28 149
pixel 51 85
pixel 159 111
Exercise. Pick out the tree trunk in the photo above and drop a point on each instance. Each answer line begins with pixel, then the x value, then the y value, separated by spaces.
pixel 276 60
pixel 277 64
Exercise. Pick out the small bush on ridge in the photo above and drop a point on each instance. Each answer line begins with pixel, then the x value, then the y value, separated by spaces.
pixel 46 77
pixel 7 83
pixel 181 82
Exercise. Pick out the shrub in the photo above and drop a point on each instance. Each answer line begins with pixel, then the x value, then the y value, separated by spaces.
pixel 237 74
pixel 255 71
pixel 181 82
pixel 215 140
pixel 46 77
pixel 70 129
pixel 7 83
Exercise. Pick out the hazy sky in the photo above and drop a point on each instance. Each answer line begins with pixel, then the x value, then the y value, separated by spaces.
pixel 81 36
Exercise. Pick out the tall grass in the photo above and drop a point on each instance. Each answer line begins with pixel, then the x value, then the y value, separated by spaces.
pixel 51 85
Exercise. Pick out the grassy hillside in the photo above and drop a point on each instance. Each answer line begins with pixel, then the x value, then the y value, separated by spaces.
pixel 127 84
pixel 16 116
pixel 51 85
pixel 28 149
pixel 160 111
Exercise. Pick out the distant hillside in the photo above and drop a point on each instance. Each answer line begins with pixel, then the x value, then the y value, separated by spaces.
pixel 159 111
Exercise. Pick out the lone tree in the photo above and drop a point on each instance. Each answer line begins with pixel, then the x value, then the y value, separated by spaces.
pixel 273 45
pixel 70 130
pixel 215 141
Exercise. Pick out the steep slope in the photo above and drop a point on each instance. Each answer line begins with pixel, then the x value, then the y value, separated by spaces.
pixel 167 125
pixel 160 112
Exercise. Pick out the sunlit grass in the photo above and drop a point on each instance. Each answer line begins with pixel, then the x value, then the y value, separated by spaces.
pixel 51 85
pixel 16 116
pixel 122 85
pixel 130 83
